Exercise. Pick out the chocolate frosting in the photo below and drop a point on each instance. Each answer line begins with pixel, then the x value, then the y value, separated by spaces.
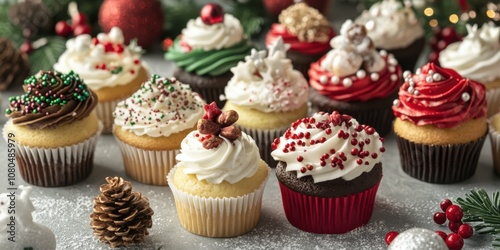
pixel 52 99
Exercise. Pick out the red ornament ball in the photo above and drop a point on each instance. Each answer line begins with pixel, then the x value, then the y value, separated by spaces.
pixel 389 237
pixel 442 234
pixel 465 231
pixel 440 218
pixel 445 204
pixel 212 13
pixel 454 241
pixel 454 213
pixel 137 19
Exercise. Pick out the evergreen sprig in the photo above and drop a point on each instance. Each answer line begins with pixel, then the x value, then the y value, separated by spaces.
pixel 478 207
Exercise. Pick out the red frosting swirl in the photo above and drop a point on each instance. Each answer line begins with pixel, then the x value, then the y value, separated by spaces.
pixel 444 98
pixel 381 85
pixel 296 45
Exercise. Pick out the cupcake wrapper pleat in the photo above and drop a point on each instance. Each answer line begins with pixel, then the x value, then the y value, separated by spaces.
pixel 56 167
pixel 217 217
pixel 328 215
pixel 493 101
pixel 441 164
pixel 495 145
pixel 147 166
pixel 264 138
pixel 105 111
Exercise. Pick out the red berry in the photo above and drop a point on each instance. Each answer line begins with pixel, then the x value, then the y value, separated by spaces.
pixel 433 42
pixel 441 45
pixel 442 234
pixel 389 237
pixel 449 34
pixel 445 204
pixel 26 47
pixel 63 29
pixel 465 231
pixel 454 241
pixel 454 225
pixel 437 31
pixel 454 213
pixel 434 57
pixel 440 218
pixel 79 19
pixel 81 29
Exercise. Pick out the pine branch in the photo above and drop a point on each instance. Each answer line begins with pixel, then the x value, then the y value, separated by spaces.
pixel 485 211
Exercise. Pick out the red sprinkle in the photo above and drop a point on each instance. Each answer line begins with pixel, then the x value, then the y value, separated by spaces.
pixel 374 155
pixel 303 169
pixel 359 161
pixel 310 167
pixel 370 130
pixel 300 158
pixel 354 151
pixel 354 134
pixel 382 149
pixel 307 135
pixel 322 163
pixel 367 141
pixel 354 142
pixel 332 151
pixel 328 131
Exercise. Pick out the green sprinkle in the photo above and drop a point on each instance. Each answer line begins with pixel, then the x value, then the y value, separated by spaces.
pixel 171 88
pixel 149 118
pixel 117 70
pixel 153 99
pixel 34 111
pixel 132 123
pixel 8 111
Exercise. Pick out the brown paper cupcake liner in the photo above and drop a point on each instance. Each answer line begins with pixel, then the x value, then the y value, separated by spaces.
pixel 495 144
pixel 217 217
pixel 264 138
pixel 105 111
pixel 56 167
pixel 441 164
pixel 493 101
pixel 147 166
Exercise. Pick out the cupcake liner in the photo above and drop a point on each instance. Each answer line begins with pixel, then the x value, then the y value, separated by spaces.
pixel 217 217
pixel 105 111
pixel 264 138
pixel 441 164
pixel 211 94
pixel 495 144
pixel 56 167
pixel 328 215
pixel 147 166
pixel 493 101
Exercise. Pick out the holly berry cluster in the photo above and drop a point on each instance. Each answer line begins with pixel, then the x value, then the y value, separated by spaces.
pixel 442 37
pixel 77 26
pixel 216 123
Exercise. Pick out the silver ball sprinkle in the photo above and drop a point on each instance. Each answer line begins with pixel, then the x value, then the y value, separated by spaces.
pixel 374 77
pixel 410 90
pixel 416 92
pixel 360 74
pixel 418 239
pixel 335 80
pixel 323 80
pixel 430 72
pixel 437 77
pixel 411 82
pixel 465 97
pixel 347 82
pixel 407 74
pixel 418 71
pixel 383 52
pixel 393 61
pixel 395 103
pixel 428 79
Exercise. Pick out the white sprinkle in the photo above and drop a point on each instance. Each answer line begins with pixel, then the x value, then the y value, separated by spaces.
pixel 323 79
pixel 437 77
pixel 428 78
pixel 395 102
pixel 418 71
pixel 335 80
pixel 406 74
pixel 392 69
pixel 361 74
pixel 465 97
pixel 411 82
pixel 347 82
pixel 394 77
pixel 383 52
pixel 410 90
pixel 374 77
pixel 393 61
pixel 416 92
pixel 431 72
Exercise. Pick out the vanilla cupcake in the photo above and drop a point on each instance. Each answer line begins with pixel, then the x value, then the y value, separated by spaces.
pixel 150 125
pixel 110 68
pixel 219 180
pixel 477 57
pixel 494 131
pixel 55 129
pixel 269 94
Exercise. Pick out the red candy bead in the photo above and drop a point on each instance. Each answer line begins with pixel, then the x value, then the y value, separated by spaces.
pixel 389 237
pixel 454 213
pixel 465 231
pixel 445 204
pixel 63 29
pixel 81 29
pixel 440 218
pixel 454 241
pixel 212 13
pixel 442 234
pixel 454 225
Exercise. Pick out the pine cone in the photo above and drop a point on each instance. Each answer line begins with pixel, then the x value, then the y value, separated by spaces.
pixel 14 65
pixel 30 14
pixel 120 216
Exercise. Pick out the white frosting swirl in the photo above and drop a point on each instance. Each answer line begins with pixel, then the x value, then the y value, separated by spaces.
pixel 199 35
pixel 267 84
pixel 161 107
pixel 99 64
pixel 390 25
pixel 231 161
pixel 477 56
pixel 311 145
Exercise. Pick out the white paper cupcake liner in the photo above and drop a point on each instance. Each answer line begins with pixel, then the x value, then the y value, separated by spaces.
pixel 264 138
pixel 147 166
pixel 105 111
pixel 493 101
pixel 217 217
pixel 56 167
pixel 495 144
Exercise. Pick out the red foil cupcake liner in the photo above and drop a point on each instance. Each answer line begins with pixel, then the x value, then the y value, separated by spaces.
pixel 441 164
pixel 328 215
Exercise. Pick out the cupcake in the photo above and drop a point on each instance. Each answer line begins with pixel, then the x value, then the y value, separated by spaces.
pixel 477 57
pixel 219 180
pixel 268 94
pixel 150 125
pixel 110 68
pixel 440 124
pixel 306 30
pixel 207 49
pixel 329 171
pixel 395 28
pixel 494 131
pixel 355 79
pixel 54 129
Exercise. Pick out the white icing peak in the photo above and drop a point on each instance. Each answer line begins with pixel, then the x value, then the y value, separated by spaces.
pixel 198 35
pixel 267 83
pixel 352 51
pixel 328 147
pixel 27 232
pixel 477 56
pixel 161 107
pixel 103 61
pixel 231 161
pixel 390 25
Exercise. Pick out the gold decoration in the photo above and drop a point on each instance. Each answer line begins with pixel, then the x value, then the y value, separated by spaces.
pixel 305 22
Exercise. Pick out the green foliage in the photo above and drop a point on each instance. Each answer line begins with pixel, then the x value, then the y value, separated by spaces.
pixel 7 29
pixel 46 56
pixel 177 14
pixel 251 14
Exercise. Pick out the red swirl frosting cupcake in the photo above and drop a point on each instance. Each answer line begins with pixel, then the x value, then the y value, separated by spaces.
pixel 356 79
pixel 309 40
pixel 440 115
